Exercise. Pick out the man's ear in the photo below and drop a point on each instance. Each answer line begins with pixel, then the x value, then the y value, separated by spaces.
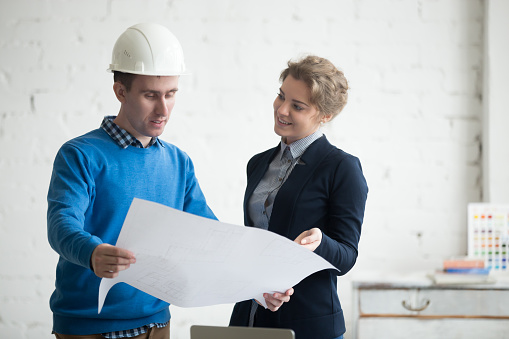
pixel 120 91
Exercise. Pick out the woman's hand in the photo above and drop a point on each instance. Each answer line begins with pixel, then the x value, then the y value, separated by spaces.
pixel 310 239
pixel 275 300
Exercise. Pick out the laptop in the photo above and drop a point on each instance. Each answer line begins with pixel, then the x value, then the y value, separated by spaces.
pixel 233 332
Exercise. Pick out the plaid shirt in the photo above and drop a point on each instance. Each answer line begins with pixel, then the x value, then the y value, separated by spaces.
pixel 133 332
pixel 120 135
pixel 124 139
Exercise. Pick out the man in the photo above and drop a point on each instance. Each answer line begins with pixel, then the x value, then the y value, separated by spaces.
pixel 95 178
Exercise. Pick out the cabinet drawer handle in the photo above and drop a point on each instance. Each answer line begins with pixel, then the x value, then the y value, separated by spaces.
pixel 416 309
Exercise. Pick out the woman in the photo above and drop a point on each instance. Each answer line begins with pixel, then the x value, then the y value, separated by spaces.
pixel 310 191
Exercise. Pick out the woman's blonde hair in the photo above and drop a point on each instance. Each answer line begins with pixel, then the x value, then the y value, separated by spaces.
pixel 328 85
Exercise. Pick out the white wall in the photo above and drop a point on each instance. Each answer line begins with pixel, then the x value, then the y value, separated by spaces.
pixel 495 114
pixel 414 118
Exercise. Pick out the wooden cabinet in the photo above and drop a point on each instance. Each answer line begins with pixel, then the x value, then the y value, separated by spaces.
pixel 416 308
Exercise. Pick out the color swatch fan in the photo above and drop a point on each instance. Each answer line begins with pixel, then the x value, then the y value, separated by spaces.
pixel 488 235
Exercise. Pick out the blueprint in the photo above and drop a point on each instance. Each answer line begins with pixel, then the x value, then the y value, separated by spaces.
pixel 191 261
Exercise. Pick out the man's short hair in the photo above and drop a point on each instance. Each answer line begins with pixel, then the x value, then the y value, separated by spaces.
pixel 125 79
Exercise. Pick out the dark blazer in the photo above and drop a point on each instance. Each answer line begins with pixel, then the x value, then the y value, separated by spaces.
pixel 328 191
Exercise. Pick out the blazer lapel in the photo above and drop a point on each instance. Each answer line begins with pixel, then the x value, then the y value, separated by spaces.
pixel 255 176
pixel 284 204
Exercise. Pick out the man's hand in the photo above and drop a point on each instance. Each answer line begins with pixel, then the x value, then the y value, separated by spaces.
pixel 275 301
pixel 108 260
pixel 310 239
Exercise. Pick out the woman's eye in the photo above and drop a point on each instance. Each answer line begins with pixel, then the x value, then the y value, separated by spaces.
pixel 280 96
pixel 298 108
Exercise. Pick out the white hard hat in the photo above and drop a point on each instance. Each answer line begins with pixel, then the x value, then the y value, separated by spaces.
pixel 148 49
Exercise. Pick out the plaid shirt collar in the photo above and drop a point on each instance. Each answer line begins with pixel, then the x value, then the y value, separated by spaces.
pixel 121 136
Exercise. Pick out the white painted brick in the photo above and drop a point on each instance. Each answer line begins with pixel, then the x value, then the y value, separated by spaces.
pixel 402 10
pixel 330 10
pixel 14 11
pixel 5 33
pixel 435 35
pixel 303 32
pixel 36 31
pixel 221 33
pixel 446 105
pixel 37 266
pixel 466 131
pixel 467 34
pixel 441 153
pixel 19 57
pixel 406 32
pixel 364 81
pixel 14 330
pixel 77 55
pixel 461 58
pixel 413 117
pixel 361 30
pixel 415 80
pixel 13 102
pixel 219 9
pixel 462 82
pixel 452 10
pixel 390 55
pixel 70 100
pixel 17 287
pixel 127 13
pixel 25 311
pixel 41 330
pixel 76 9
pixel 36 81
pixel 43 145
pixel 265 9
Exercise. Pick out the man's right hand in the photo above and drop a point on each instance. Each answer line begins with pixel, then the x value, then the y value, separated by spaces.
pixel 108 260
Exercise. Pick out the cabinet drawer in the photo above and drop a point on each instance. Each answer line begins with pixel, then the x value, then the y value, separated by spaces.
pixel 418 328
pixel 434 302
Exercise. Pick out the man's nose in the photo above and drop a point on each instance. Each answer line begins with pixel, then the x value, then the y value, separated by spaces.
pixel 162 107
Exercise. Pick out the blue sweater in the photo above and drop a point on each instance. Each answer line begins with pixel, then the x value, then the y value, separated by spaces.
pixel 92 186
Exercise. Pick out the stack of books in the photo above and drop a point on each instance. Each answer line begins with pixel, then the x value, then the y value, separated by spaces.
pixel 463 270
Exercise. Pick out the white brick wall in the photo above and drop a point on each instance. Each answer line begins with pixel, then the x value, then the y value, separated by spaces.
pixel 414 118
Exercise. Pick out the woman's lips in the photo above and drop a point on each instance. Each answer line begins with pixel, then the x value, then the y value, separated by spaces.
pixel 282 122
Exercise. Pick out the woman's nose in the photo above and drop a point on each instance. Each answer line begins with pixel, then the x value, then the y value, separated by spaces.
pixel 284 108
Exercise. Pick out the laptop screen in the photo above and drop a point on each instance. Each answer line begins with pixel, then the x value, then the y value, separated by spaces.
pixel 233 332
